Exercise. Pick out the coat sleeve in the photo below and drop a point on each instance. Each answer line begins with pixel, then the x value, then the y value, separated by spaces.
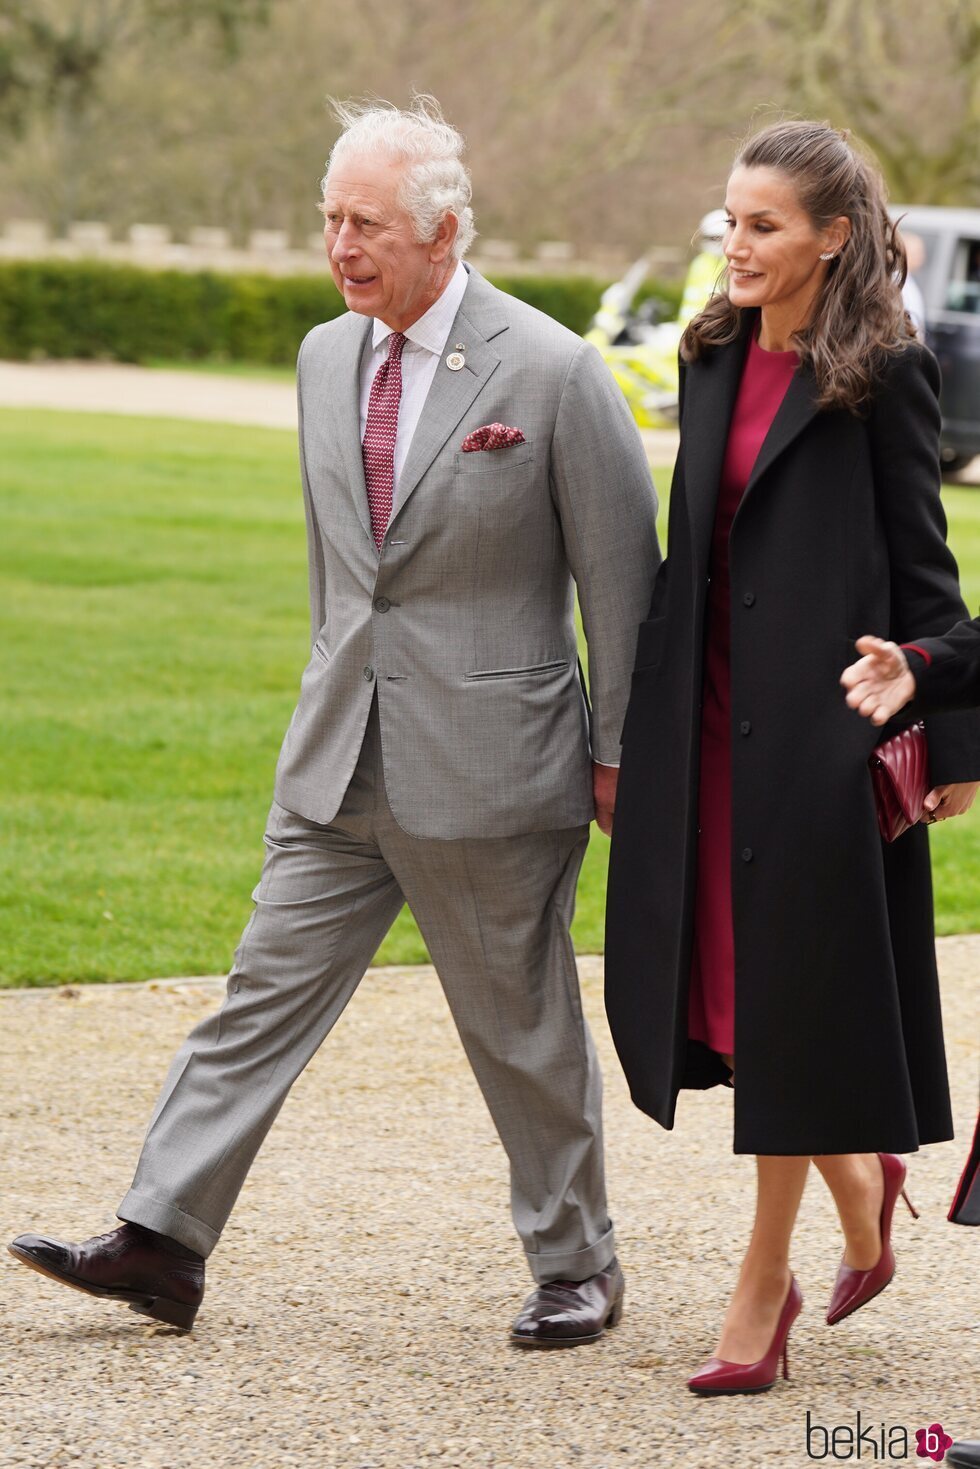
pixel 947 670
pixel 903 428
pixel 314 548
pixel 607 505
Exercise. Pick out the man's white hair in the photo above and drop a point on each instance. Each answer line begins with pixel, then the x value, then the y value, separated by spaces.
pixel 435 182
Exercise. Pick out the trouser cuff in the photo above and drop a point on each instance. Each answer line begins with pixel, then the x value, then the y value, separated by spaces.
pixel 163 1218
pixel 574 1264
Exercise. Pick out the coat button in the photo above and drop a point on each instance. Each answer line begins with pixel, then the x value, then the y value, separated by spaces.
pixel 746 726
pixel 369 673
pixel 746 854
pixel 748 599
pixel 381 604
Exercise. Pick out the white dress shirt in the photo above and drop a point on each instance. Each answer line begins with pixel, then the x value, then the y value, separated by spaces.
pixel 424 345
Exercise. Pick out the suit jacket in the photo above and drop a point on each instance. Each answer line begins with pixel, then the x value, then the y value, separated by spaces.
pixel 948 676
pixel 464 625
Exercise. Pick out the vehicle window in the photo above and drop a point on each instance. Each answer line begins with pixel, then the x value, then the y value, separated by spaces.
pixel 963 291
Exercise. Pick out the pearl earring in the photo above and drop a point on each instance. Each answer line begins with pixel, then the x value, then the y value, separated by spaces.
pixel 828 255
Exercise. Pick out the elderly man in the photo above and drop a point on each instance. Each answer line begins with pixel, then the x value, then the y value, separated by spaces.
pixel 466 462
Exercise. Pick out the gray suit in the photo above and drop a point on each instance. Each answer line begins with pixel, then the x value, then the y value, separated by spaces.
pixel 439 754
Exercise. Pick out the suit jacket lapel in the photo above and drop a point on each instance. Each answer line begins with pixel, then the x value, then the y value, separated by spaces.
pixel 477 321
pixel 340 394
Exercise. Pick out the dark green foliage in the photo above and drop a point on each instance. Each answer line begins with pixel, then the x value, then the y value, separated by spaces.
pixel 67 309
pixel 52 309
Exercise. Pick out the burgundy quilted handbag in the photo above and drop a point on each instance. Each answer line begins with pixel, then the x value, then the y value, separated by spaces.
pixel 900 776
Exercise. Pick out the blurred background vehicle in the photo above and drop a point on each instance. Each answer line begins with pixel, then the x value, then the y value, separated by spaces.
pixel 948 276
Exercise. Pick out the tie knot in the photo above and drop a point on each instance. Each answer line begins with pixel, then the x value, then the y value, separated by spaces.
pixel 395 344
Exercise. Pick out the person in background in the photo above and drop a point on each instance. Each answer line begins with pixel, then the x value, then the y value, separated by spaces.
pixel 758 930
pixel 912 297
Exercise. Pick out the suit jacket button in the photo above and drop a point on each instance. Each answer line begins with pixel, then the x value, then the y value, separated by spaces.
pixel 746 726
pixel 746 854
pixel 369 673
pixel 748 599
pixel 381 604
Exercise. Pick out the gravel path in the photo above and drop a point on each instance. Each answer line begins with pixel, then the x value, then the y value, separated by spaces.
pixel 358 1305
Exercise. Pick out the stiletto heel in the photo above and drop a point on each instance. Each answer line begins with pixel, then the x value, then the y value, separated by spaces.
pixel 718 1377
pixel 854 1288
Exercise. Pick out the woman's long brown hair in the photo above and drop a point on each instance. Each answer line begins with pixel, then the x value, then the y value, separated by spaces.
pixel 859 319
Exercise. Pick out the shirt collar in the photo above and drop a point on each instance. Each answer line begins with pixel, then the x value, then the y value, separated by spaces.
pixel 431 331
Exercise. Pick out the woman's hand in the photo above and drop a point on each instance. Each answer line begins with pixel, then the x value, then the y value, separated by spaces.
pixel 952 800
pixel 880 683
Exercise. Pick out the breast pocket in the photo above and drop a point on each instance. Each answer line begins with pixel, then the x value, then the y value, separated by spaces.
pixel 493 473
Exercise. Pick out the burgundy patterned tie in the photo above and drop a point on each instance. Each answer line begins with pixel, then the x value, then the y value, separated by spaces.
pixel 379 437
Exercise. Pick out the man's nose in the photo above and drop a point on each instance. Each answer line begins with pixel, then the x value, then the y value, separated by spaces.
pixel 344 244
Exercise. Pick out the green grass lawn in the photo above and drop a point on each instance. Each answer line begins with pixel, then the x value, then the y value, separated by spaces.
pixel 153 627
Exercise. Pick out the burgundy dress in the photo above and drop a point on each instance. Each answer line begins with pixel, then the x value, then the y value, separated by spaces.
pixel 711 1011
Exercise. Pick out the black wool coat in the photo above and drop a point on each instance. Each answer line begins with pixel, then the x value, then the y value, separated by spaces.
pixel 838 1031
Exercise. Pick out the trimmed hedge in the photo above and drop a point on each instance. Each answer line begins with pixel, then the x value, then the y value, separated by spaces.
pixel 91 309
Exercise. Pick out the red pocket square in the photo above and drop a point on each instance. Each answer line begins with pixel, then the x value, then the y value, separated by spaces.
pixel 492 436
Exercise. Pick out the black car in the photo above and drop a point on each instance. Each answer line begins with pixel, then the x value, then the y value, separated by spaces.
pixel 949 279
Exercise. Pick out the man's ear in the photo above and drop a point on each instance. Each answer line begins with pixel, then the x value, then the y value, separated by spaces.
pixel 441 247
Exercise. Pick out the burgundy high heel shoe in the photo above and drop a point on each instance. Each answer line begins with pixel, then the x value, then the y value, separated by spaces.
pixel 854 1288
pixel 718 1377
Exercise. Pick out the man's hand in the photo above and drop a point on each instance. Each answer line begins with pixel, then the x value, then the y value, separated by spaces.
pixel 604 779
pixel 881 682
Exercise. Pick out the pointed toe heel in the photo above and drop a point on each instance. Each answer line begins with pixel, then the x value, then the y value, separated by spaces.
pixel 718 1378
pixel 855 1288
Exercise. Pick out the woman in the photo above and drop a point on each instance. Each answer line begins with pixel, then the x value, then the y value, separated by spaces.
pixel 757 927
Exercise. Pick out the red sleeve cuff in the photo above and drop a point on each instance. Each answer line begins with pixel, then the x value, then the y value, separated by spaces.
pixel 914 648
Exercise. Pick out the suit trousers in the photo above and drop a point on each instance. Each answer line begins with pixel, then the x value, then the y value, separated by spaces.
pixel 495 915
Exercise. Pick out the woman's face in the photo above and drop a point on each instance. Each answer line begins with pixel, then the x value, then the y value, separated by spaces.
pixel 771 245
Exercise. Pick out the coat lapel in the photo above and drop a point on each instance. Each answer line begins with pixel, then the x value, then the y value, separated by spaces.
pixel 792 416
pixel 718 376
pixel 477 321
pixel 712 386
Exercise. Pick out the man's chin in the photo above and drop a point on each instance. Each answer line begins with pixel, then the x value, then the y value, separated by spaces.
pixel 363 298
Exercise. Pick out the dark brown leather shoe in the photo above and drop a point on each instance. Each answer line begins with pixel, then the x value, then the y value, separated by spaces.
pixel 569 1313
pixel 156 1277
